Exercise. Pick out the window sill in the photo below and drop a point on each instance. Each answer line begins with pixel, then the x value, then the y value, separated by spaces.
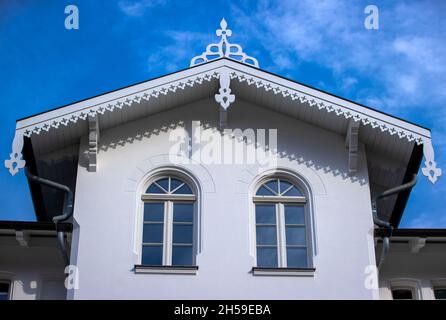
pixel 296 272
pixel 146 269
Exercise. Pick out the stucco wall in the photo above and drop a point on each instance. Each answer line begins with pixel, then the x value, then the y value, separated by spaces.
pixel 104 246
pixel 34 271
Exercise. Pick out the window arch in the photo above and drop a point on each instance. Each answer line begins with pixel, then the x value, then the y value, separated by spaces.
pixel 169 222
pixel 282 221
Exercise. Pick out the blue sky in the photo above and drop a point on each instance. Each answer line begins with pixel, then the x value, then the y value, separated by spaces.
pixel 399 69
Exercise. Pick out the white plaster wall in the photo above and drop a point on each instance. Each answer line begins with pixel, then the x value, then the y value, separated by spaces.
pixel 35 272
pixel 105 209
pixel 422 271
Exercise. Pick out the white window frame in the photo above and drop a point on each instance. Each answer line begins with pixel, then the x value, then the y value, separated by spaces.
pixel 408 284
pixel 168 201
pixel 280 202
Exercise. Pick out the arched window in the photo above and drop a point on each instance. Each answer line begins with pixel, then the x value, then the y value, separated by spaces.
pixel 282 234
pixel 168 231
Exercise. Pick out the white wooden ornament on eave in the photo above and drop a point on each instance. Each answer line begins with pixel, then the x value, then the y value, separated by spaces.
pixel 225 73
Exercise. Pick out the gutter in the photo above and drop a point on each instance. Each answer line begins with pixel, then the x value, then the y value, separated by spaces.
pixel 387 226
pixel 67 211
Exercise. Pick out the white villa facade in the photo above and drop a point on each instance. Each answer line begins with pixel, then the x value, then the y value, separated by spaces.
pixel 220 181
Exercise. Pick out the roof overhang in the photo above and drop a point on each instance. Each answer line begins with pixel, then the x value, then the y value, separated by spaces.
pixel 227 80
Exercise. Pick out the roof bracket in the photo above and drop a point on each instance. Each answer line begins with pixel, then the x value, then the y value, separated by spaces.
pixel 224 97
pixel 22 238
pixel 417 244
pixel 352 143
pixel 16 162
pixel 430 169
pixel 93 141
pixel 223 119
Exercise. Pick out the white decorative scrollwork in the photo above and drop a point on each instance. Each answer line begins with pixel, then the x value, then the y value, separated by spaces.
pixel 224 97
pixel 16 162
pixel 224 49
pixel 430 169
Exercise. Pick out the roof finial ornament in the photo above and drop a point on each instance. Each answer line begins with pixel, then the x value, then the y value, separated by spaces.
pixel 224 49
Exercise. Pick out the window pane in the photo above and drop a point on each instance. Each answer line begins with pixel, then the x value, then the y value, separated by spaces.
pixel 4 291
pixel 440 294
pixel 402 294
pixel 153 233
pixel 164 183
pixel 264 192
pixel 153 188
pixel 273 185
pixel 265 213
pixel 182 255
pixel 154 211
pixel 175 183
pixel 266 235
pixel 267 257
pixel 185 189
pixel 183 212
pixel 152 255
pixel 296 257
pixel 295 236
pixel 182 233
pixel 284 185
pixel 294 214
pixel 293 192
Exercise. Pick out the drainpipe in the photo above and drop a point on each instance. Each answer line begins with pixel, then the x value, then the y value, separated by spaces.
pixel 67 209
pixel 384 224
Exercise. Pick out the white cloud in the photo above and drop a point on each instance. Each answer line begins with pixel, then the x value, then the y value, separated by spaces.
pixel 405 58
pixel 426 220
pixel 138 8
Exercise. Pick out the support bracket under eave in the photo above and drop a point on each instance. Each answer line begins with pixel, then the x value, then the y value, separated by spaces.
pixel 352 143
pixel 224 97
pixel 16 161
pixel 93 141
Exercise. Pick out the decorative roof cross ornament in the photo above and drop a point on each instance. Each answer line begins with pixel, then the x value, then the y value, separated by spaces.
pixel 224 49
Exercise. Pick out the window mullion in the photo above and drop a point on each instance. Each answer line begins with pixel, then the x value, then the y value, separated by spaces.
pixel 281 245
pixel 168 221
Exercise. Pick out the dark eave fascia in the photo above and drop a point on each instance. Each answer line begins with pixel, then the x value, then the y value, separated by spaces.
pixel 414 233
pixel 401 201
pixel 245 65
pixel 35 225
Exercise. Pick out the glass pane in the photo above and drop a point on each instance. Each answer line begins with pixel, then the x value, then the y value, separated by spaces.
pixel 182 255
pixel 164 183
pixel 153 233
pixel 175 183
pixel 295 235
pixel 284 185
pixel 266 213
pixel 402 294
pixel 152 255
pixel 293 192
pixel 440 294
pixel 153 188
pixel 273 185
pixel 154 211
pixel 296 257
pixel 264 192
pixel 185 189
pixel 182 233
pixel 294 214
pixel 266 235
pixel 4 296
pixel 267 257
pixel 183 212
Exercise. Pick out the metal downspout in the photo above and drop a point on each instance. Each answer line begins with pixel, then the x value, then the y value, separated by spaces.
pixel 66 213
pixel 384 224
